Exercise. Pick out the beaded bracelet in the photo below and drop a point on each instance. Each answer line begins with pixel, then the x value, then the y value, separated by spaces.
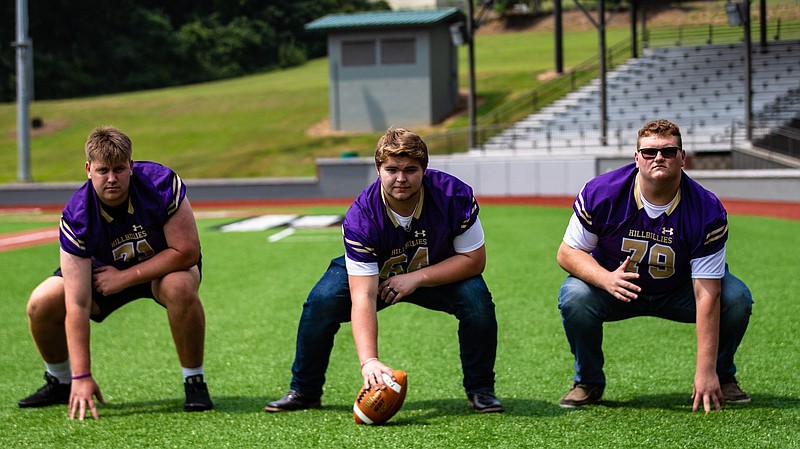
pixel 82 376
pixel 368 360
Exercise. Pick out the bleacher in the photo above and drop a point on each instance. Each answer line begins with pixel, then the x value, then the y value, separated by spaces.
pixel 701 88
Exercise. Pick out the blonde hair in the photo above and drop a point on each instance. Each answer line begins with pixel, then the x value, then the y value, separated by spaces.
pixel 400 142
pixel 108 144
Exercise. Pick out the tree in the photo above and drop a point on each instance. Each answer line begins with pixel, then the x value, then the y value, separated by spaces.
pixel 92 47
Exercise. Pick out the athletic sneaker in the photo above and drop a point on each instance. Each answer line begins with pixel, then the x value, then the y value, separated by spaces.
pixel 291 401
pixel 197 398
pixel 731 393
pixel 52 393
pixel 582 394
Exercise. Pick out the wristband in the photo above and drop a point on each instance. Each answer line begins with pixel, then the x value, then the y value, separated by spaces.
pixel 82 376
pixel 368 360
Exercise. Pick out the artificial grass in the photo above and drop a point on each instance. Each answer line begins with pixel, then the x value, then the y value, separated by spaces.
pixel 253 293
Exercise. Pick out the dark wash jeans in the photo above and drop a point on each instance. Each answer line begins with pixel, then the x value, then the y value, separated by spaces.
pixel 584 309
pixel 328 305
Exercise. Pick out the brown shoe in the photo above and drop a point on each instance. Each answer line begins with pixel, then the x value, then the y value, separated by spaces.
pixel 582 394
pixel 731 393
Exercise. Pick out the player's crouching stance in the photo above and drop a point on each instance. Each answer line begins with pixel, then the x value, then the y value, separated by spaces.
pixel 647 240
pixel 128 233
pixel 412 236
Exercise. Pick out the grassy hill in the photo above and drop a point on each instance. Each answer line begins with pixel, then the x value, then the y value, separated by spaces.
pixel 274 124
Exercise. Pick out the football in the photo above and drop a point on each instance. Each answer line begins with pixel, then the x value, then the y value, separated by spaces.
pixel 374 406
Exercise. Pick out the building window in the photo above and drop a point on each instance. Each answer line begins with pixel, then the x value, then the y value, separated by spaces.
pixel 398 51
pixel 355 53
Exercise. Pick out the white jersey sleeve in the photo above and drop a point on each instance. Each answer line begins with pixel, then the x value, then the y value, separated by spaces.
pixel 471 239
pixel 709 267
pixel 578 237
pixel 355 268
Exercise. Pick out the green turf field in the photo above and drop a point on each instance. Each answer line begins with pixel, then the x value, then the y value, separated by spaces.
pixel 253 291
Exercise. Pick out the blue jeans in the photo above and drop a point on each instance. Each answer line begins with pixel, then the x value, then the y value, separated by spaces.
pixel 584 309
pixel 328 305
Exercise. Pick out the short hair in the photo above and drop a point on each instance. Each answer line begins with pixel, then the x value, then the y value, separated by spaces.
pixel 108 144
pixel 659 127
pixel 400 142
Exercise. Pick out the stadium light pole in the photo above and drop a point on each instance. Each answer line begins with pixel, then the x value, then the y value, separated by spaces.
pixel 748 71
pixel 24 63
pixel 603 103
pixel 600 24
pixel 634 39
pixel 471 75
pixel 558 14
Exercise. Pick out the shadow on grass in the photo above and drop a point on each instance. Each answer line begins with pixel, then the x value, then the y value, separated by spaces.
pixel 433 409
pixel 423 410
pixel 682 402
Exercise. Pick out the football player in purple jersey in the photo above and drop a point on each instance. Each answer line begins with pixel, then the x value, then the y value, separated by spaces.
pixel 647 240
pixel 412 236
pixel 129 232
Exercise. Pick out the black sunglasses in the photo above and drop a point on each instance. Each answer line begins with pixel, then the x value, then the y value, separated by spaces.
pixel 667 152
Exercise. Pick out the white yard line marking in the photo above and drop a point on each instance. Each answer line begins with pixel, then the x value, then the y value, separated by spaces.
pixel 259 223
pixel 280 235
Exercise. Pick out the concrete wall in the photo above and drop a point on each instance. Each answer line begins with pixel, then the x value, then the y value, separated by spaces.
pixel 490 176
pixel 547 176
pixel 443 74
pixel 375 97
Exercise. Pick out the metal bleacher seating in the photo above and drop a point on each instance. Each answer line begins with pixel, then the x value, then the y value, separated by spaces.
pixel 701 88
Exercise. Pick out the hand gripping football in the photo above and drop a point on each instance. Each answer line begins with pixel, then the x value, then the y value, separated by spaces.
pixel 374 406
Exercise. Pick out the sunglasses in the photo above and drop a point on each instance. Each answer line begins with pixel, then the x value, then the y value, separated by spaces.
pixel 667 152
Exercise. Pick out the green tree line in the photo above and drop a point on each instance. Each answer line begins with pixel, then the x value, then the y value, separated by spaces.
pixel 94 47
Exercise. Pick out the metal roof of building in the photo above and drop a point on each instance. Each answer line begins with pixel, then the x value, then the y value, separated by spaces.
pixel 380 19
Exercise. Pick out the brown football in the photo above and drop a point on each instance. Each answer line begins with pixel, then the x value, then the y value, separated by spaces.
pixel 374 406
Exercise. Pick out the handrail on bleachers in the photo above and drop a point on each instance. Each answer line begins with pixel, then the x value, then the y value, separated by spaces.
pixel 567 95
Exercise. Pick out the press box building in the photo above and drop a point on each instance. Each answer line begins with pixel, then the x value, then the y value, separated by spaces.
pixel 391 68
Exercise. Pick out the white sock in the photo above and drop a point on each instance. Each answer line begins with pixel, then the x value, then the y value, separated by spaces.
pixel 61 371
pixel 189 372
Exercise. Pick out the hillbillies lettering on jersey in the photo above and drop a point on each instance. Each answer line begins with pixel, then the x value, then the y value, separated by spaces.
pixel 446 209
pixel 411 256
pixel 660 248
pixel 647 235
pixel 137 234
pixel 131 233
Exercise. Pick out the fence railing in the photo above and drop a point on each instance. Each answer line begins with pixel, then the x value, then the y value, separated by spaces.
pixel 718 34
pixel 505 116
pixel 501 118
pixel 699 134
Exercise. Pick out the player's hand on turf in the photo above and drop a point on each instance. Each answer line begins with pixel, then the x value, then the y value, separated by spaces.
pixel 372 372
pixel 706 391
pixel 396 287
pixel 81 396
pixel 619 283
pixel 108 280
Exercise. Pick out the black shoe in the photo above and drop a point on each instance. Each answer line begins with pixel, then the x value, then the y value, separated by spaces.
pixel 197 398
pixel 485 402
pixel 291 401
pixel 52 393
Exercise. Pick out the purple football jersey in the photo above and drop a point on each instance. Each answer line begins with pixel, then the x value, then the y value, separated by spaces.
pixel 130 233
pixel 661 248
pixel 446 209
